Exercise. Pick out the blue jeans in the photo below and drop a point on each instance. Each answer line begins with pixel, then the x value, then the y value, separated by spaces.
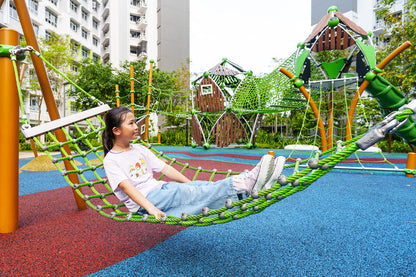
pixel 175 198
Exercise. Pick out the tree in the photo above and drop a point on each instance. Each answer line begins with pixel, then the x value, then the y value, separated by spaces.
pixel 400 27
pixel 98 80
pixel 56 50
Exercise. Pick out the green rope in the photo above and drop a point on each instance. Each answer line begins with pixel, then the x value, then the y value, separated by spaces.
pixel 38 54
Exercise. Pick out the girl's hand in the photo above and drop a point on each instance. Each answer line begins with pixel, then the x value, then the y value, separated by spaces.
pixel 156 213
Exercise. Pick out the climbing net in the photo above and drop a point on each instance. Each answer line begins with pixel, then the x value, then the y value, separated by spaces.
pixel 271 93
pixel 88 180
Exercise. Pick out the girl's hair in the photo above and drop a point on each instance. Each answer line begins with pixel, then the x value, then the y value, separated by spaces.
pixel 113 118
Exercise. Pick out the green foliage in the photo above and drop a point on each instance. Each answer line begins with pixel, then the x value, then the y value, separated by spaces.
pixel 174 137
pixel 98 80
pixel 401 71
pixel 397 145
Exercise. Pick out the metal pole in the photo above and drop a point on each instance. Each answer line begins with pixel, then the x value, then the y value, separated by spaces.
pixel 131 88
pixel 9 133
pixel 46 88
pixel 117 96
pixel 149 92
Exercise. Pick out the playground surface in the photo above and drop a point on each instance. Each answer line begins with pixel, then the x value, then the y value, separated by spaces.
pixel 346 223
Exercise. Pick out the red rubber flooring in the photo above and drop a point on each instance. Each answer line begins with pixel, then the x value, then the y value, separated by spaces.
pixel 55 239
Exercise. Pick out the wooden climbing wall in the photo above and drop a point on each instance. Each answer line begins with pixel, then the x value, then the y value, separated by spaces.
pixel 196 131
pixel 209 97
pixel 228 129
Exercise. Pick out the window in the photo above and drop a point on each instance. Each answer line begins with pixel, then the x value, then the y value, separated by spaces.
pixel 33 6
pixel 73 6
pixel 51 18
pixel 134 2
pixel 34 103
pixel 134 34
pixel 13 11
pixel 206 89
pixel 95 58
pixel 74 68
pixel 95 41
pixel 48 35
pixel 84 34
pixel 35 29
pixel 95 24
pixel 74 46
pixel 84 53
pixel 134 18
pixel 94 5
pixel 74 26
pixel 84 15
pixel 55 2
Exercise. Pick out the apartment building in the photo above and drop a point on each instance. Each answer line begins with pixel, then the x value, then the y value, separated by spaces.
pixel 108 32
pixel 80 20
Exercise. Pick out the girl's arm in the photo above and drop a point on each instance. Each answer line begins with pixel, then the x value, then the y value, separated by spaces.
pixel 139 198
pixel 175 175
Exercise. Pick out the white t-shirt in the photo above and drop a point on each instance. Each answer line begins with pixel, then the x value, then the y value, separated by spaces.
pixel 137 166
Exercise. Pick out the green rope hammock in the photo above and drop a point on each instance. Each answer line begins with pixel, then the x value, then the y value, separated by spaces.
pixel 96 192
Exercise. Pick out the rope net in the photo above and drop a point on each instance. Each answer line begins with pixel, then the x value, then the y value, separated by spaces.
pixel 86 160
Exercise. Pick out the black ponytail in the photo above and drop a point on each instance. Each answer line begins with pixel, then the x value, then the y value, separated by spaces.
pixel 113 118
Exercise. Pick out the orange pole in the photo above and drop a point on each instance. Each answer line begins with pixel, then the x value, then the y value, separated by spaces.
pixel 411 163
pixel 9 134
pixel 354 102
pixel 330 120
pixel 149 92
pixel 117 96
pixel 132 88
pixel 46 88
pixel 314 109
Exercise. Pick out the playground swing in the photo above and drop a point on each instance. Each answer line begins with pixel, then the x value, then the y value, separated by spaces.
pixel 101 198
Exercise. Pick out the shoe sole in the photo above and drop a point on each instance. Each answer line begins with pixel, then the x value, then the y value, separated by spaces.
pixel 279 164
pixel 266 170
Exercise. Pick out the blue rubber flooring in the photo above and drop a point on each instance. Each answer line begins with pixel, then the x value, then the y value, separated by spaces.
pixel 345 224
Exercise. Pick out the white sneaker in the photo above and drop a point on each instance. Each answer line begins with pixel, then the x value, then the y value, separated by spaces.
pixel 279 164
pixel 265 170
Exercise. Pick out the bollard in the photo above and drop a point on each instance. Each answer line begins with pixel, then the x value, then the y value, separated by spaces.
pixel 411 163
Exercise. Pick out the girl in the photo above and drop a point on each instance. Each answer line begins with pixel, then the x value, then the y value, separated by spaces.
pixel 129 169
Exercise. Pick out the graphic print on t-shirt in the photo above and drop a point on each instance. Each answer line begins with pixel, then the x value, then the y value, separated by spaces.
pixel 138 169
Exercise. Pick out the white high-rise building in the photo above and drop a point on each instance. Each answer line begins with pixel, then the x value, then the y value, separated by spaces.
pixel 106 31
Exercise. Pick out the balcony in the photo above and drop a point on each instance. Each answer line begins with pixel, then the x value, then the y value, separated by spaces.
pixel 105 14
pixel 137 40
pixel 106 27
pixel 106 41
pixel 142 7
pixel 142 24
pixel 141 56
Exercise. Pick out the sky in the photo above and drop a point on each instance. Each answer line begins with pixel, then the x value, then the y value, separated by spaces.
pixel 249 33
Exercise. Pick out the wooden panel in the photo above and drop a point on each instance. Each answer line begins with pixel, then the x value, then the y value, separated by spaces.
pixel 209 102
pixel 333 39
pixel 339 36
pixel 228 130
pixel 196 131
pixel 327 43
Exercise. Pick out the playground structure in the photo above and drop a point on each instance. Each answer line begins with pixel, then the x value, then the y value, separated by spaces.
pixel 100 196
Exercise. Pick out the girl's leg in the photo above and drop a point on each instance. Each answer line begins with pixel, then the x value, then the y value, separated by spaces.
pixel 175 198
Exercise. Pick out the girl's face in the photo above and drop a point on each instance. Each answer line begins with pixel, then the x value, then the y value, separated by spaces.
pixel 128 129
